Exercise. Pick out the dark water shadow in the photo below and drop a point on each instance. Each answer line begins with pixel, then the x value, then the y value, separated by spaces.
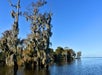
pixel 62 63
pixel 37 72
pixel 15 70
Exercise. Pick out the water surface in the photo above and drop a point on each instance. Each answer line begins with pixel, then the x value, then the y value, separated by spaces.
pixel 85 66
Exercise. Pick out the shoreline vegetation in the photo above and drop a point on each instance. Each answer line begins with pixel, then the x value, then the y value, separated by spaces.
pixel 34 51
pixel 55 56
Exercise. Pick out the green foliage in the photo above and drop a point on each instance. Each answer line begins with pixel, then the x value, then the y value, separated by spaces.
pixel 2 56
pixel 59 50
pixel 39 39
pixel 79 53
pixel 62 53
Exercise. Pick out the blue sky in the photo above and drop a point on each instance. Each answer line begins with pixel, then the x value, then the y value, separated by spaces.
pixel 77 24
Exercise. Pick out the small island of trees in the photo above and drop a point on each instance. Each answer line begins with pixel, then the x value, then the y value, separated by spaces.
pixel 34 51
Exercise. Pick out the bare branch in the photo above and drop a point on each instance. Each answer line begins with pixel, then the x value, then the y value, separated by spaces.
pixel 12 4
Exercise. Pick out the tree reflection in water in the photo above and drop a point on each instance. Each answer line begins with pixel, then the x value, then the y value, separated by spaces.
pixel 37 72
pixel 15 69
pixel 22 71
